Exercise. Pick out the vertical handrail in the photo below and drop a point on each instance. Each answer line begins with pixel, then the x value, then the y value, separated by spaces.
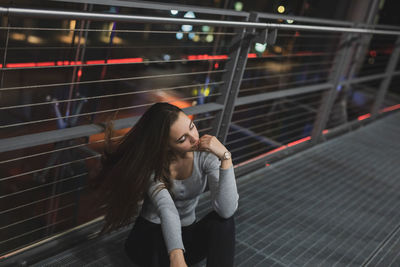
pixel 235 48
pixel 383 87
pixel 235 75
pixel 340 69
pixel 5 52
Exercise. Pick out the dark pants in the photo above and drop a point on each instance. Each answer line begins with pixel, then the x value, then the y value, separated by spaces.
pixel 212 237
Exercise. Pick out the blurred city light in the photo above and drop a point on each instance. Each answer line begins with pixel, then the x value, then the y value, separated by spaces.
pixel 281 9
pixel 238 6
pixel 187 28
pixel 209 38
pixel 260 47
pixel 205 28
pixel 166 57
pixel 277 49
pixel 174 12
pixel 179 35
pixel 191 35
pixel 189 15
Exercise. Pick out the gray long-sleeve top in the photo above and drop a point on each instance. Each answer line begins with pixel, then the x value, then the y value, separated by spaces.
pixel 173 213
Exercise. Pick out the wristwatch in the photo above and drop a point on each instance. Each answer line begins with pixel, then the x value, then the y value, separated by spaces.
pixel 227 155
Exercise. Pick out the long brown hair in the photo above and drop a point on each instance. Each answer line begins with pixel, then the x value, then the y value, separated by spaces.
pixel 126 170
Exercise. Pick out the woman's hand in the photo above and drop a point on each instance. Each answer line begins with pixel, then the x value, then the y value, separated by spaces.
pixel 212 144
pixel 177 259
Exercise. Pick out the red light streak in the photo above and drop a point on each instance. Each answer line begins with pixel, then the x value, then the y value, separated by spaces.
pixel 260 156
pixel 391 108
pixel 274 151
pixel 206 57
pixel 20 65
pixel 363 117
pixel 125 60
pixel 91 62
pixel 299 141
pixel 252 55
pixel 44 64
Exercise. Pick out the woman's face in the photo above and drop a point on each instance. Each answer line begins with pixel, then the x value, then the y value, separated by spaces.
pixel 183 134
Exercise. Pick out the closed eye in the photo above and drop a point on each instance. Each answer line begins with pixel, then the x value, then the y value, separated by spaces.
pixel 183 138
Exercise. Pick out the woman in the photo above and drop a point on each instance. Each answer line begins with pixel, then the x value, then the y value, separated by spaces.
pixel 158 172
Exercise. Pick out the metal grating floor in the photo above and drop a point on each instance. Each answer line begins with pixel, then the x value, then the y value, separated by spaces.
pixel 333 205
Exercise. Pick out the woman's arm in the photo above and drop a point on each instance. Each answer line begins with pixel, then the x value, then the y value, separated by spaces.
pixel 222 184
pixel 221 177
pixel 177 259
pixel 170 223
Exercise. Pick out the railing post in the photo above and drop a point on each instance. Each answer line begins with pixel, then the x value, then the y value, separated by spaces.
pixel 340 69
pixel 390 68
pixel 239 50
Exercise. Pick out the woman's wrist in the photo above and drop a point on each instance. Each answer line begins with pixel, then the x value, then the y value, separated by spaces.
pixel 176 254
pixel 226 164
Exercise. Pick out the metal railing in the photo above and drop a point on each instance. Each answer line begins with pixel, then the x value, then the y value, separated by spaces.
pixel 315 78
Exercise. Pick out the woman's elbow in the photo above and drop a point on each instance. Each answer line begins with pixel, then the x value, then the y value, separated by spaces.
pixel 226 212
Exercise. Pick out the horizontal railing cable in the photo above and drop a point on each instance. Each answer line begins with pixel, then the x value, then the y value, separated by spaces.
pixel 205 129
pixel 57 150
pixel 204 119
pixel 258 150
pixel 47 168
pixel 94 113
pixel 44 185
pixel 247 137
pixel 116 63
pixel 37 229
pixel 38 216
pixel 313 54
pixel 57 14
pixel 311 95
pixel 294 65
pixel 282 119
pixel 110 47
pixel 269 105
pixel 111 95
pixel 279 85
pixel 321 36
pixel 272 129
pixel 270 113
pixel 284 75
pixel 264 132
pixel 43 199
pixel 262 124
pixel 112 80
pixel 280 110
pixel 109 31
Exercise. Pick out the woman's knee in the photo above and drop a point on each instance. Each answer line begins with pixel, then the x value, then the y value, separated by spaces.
pixel 217 215
pixel 217 218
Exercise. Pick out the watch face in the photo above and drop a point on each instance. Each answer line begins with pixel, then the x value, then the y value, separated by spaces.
pixel 227 155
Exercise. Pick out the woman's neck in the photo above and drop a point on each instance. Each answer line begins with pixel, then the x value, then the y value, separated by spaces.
pixel 181 156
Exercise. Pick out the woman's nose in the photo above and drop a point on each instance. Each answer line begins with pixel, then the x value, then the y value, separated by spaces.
pixel 193 140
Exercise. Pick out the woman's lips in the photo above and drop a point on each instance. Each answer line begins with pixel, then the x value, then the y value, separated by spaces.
pixel 196 145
